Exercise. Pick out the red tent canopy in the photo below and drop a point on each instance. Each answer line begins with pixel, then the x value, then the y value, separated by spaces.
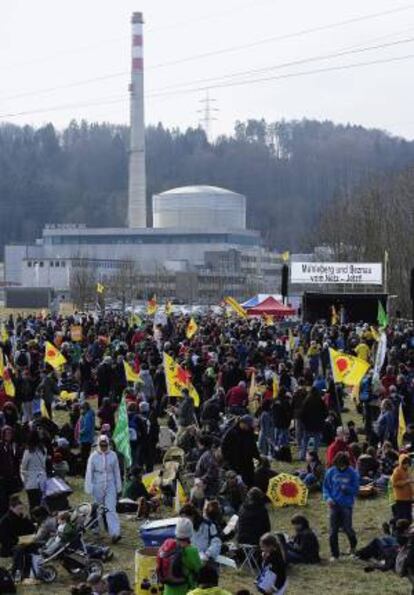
pixel 272 307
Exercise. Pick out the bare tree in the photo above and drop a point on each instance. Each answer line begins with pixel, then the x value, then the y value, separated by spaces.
pixel 82 283
pixel 124 285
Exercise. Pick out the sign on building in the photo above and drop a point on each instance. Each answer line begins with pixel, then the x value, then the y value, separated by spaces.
pixel 320 273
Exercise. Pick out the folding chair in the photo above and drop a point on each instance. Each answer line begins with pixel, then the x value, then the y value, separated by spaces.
pixel 250 558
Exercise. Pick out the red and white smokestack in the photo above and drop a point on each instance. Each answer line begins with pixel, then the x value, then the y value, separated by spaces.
pixel 137 203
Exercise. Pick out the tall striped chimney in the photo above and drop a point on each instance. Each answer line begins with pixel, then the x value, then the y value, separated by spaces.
pixel 137 203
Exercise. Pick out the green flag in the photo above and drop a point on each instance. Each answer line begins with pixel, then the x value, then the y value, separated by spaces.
pixel 121 434
pixel 382 315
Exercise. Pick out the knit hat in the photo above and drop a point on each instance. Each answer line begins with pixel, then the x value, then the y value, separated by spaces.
pixel 144 407
pixel 248 420
pixel 184 529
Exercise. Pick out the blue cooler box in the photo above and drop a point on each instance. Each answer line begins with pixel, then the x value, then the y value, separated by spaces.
pixel 154 533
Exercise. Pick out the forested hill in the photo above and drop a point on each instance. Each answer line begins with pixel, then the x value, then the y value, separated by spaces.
pixel 289 172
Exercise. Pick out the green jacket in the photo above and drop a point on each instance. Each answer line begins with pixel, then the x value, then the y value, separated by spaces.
pixel 191 566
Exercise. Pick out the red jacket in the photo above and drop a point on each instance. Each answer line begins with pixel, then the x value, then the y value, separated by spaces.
pixel 334 448
pixel 237 397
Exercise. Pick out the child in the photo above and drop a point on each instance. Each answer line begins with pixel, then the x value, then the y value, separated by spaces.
pixel 313 475
pixel 352 435
pixel 272 577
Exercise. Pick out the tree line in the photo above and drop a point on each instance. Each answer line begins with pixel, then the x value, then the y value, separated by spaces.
pixel 290 172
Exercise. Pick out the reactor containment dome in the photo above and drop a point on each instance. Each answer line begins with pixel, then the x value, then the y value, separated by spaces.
pixel 199 208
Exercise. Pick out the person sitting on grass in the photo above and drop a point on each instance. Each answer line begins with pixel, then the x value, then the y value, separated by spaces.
pixel 253 518
pixel 312 476
pixel 205 535
pixel 135 490
pixel 273 576
pixel 303 547
pixel 208 580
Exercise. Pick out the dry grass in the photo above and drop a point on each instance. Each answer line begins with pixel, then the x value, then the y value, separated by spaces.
pixel 346 577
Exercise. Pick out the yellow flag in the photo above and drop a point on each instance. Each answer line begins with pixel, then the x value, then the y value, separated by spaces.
pixel 285 256
pixel 152 306
pixel 53 357
pixel 375 334
pixel 402 427
pixel 135 320
pixel 347 369
pixel 168 308
pixel 291 341
pixel 236 306
pixel 268 319
pixel 130 373
pixel 100 288
pixel 43 410
pixel 253 387
pixel 4 335
pixel 9 387
pixel 275 384
pixel 192 328
pixel 178 378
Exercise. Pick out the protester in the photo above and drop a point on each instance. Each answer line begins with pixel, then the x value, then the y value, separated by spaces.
pixel 303 547
pixel 103 482
pixel 190 559
pixel 340 488
pixel 239 448
pixel 402 487
pixel 273 576
pixel 254 519
pixel 33 468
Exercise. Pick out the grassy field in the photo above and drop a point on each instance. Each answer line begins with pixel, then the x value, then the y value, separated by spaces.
pixel 346 576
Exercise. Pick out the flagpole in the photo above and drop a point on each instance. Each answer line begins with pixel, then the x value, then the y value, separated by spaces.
pixel 385 271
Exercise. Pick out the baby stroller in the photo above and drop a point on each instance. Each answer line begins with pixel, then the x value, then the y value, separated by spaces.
pixel 72 553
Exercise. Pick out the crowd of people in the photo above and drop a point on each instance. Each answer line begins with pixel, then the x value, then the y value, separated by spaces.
pixel 268 402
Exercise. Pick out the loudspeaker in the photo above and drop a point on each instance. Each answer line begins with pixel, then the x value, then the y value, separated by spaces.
pixel 285 281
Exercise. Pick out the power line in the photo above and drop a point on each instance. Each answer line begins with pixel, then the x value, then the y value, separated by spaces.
pixel 222 85
pixel 299 33
pixel 298 62
pixel 218 52
pixel 289 75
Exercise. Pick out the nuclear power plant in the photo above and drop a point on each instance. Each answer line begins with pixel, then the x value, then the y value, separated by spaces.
pixel 199 248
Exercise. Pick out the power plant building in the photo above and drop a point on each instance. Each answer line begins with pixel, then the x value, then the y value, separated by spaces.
pixel 199 244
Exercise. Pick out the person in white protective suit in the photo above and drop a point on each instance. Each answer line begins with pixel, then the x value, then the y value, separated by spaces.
pixel 103 482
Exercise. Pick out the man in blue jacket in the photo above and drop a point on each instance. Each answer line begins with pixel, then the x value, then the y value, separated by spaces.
pixel 340 488
pixel 86 433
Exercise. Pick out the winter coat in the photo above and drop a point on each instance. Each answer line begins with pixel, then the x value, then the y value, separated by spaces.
pixel 239 448
pixel 11 527
pixel 208 470
pixel 147 385
pixel 87 427
pixel 253 523
pixel 313 414
pixel 33 469
pixel 103 472
pixel 282 413
pixel 341 487
pixel 186 413
pixel 206 539
pixel 306 544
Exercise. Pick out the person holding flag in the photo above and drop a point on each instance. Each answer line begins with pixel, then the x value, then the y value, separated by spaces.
pixel 103 482
pixel 192 328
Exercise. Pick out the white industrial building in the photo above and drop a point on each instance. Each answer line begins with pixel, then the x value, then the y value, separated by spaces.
pixel 199 231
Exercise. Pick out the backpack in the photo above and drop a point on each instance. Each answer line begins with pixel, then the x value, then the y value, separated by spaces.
pixel 6 582
pixel 170 564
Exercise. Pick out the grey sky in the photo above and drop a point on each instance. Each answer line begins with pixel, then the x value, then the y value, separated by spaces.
pixel 50 43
